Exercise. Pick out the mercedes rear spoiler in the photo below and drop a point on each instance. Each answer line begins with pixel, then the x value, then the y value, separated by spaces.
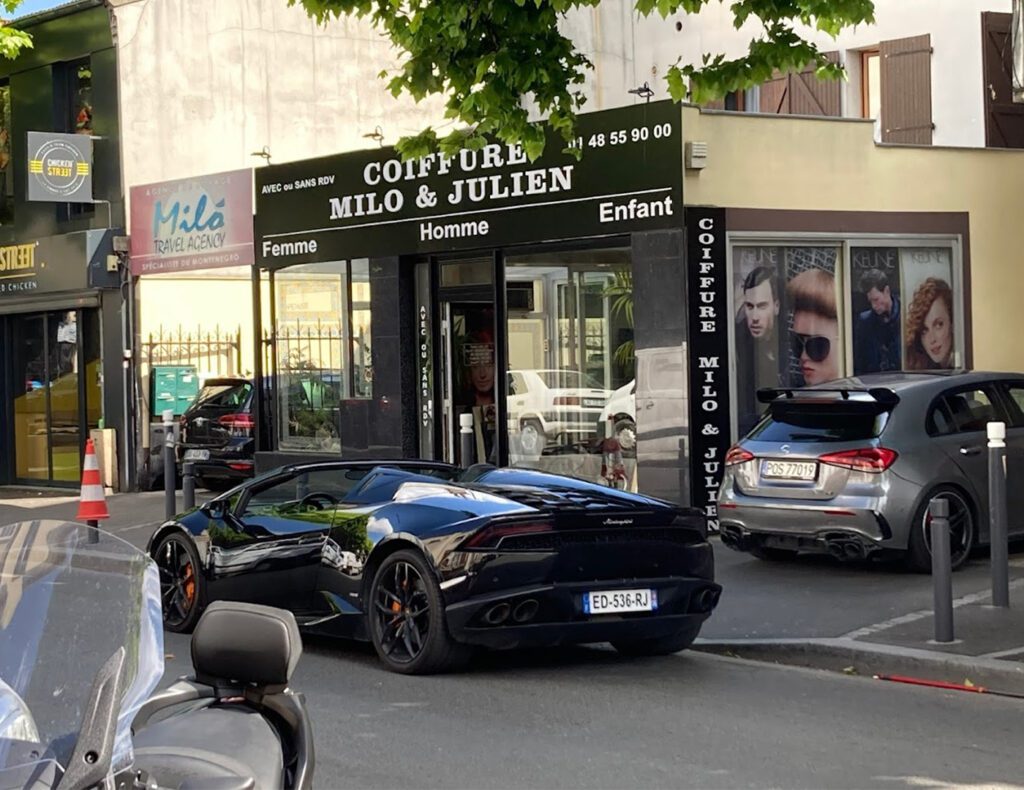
pixel 880 398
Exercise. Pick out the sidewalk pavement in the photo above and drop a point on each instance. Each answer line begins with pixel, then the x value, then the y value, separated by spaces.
pixel 864 618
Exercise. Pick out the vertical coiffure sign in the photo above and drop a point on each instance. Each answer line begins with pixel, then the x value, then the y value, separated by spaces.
pixel 192 223
pixel 709 355
pixel 59 168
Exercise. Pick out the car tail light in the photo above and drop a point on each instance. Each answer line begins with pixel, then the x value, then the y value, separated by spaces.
pixel 240 466
pixel 737 455
pixel 869 459
pixel 490 536
pixel 242 423
pixel 567 400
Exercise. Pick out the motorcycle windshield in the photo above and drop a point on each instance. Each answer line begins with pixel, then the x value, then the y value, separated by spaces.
pixel 70 598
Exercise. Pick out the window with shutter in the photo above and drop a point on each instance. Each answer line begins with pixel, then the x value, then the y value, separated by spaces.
pixel 775 95
pixel 906 72
pixel 1004 120
pixel 802 93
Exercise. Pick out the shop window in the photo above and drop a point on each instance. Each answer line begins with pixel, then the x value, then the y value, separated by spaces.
pixel 572 364
pixel 787 331
pixel 322 350
pixel 904 309
pixel 6 166
pixel 810 313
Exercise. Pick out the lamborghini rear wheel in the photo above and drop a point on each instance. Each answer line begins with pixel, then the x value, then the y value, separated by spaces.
pixel 406 618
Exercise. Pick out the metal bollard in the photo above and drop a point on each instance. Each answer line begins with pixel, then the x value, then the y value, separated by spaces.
pixel 170 465
pixel 942 571
pixel 1000 551
pixel 94 530
pixel 467 445
pixel 188 485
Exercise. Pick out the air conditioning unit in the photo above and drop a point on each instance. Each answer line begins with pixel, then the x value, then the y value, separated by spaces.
pixel 696 155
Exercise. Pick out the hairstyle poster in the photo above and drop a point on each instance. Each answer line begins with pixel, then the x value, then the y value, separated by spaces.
pixel 815 352
pixel 759 328
pixel 876 309
pixel 929 329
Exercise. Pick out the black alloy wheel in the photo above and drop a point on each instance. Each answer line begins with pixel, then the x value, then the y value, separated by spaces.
pixel 406 615
pixel 962 533
pixel 181 583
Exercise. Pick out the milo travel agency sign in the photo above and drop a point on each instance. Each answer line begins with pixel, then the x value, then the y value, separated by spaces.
pixel 368 203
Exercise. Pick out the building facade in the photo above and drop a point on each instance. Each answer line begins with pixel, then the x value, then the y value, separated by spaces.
pixel 61 327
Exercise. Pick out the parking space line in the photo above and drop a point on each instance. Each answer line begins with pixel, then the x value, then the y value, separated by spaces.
pixel 921 614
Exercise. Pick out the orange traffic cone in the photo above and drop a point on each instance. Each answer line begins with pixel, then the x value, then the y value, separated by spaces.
pixel 93 503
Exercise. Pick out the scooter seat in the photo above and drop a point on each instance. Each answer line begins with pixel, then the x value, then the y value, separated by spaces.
pixel 214 746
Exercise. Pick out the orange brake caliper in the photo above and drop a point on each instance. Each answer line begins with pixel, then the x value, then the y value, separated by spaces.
pixel 190 584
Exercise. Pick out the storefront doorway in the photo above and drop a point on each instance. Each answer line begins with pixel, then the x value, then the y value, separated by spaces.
pixel 53 392
pixel 538 348
pixel 469 374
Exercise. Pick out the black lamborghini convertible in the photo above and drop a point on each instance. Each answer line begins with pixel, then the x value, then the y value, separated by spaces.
pixel 427 560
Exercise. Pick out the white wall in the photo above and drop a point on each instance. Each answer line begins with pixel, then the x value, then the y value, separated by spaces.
pixel 607 35
pixel 204 84
pixel 954 25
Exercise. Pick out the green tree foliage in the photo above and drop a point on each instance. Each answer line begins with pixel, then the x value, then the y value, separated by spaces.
pixel 12 41
pixel 490 58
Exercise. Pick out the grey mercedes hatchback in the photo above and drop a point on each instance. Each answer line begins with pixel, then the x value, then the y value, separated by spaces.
pixel 848 467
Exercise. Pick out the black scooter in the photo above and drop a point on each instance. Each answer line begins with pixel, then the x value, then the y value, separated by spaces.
pixel 81 654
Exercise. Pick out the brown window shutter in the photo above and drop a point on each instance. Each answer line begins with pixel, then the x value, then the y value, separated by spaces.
pixel 906 71
pixel 775 95
pixel 717 104
pixel 811 96
pixel 1004 120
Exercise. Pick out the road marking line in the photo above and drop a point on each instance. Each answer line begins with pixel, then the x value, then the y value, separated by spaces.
pixel 921 614
pixel 1001 653
pixel 136 526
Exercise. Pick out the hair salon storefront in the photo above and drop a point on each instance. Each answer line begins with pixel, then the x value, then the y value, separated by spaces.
pixel 544 298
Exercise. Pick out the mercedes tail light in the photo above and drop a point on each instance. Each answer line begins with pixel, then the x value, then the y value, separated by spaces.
pixel 491 535
pixel 868 459
pixel 237 423
pixel 737 455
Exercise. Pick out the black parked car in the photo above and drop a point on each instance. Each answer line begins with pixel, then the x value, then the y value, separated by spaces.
pixel 218 432
pixel 427 560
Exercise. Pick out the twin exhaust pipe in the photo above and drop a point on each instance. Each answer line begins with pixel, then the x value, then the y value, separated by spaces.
pixel 522 613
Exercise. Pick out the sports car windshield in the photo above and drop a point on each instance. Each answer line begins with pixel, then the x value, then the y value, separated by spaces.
pixel 70 597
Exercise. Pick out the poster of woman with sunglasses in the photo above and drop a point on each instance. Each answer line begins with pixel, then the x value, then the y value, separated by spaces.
pixel 814 333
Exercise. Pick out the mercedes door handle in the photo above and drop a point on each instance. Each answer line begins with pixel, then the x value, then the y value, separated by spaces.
pixel 970 451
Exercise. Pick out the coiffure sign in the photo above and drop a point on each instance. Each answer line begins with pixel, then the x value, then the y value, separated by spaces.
pixel 629 178
pixel 192 223
pixel 59 167
pixel 709 356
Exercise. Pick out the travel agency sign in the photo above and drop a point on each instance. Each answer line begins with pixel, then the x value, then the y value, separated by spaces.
pixel 192 223
pixel 371 203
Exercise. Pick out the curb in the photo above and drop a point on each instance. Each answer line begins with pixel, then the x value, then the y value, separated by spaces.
pixel 866 659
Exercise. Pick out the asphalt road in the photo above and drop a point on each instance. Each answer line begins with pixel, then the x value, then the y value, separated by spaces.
pixel 588 718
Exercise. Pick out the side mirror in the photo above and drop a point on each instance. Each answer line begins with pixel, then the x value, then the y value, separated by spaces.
pixel 216 509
